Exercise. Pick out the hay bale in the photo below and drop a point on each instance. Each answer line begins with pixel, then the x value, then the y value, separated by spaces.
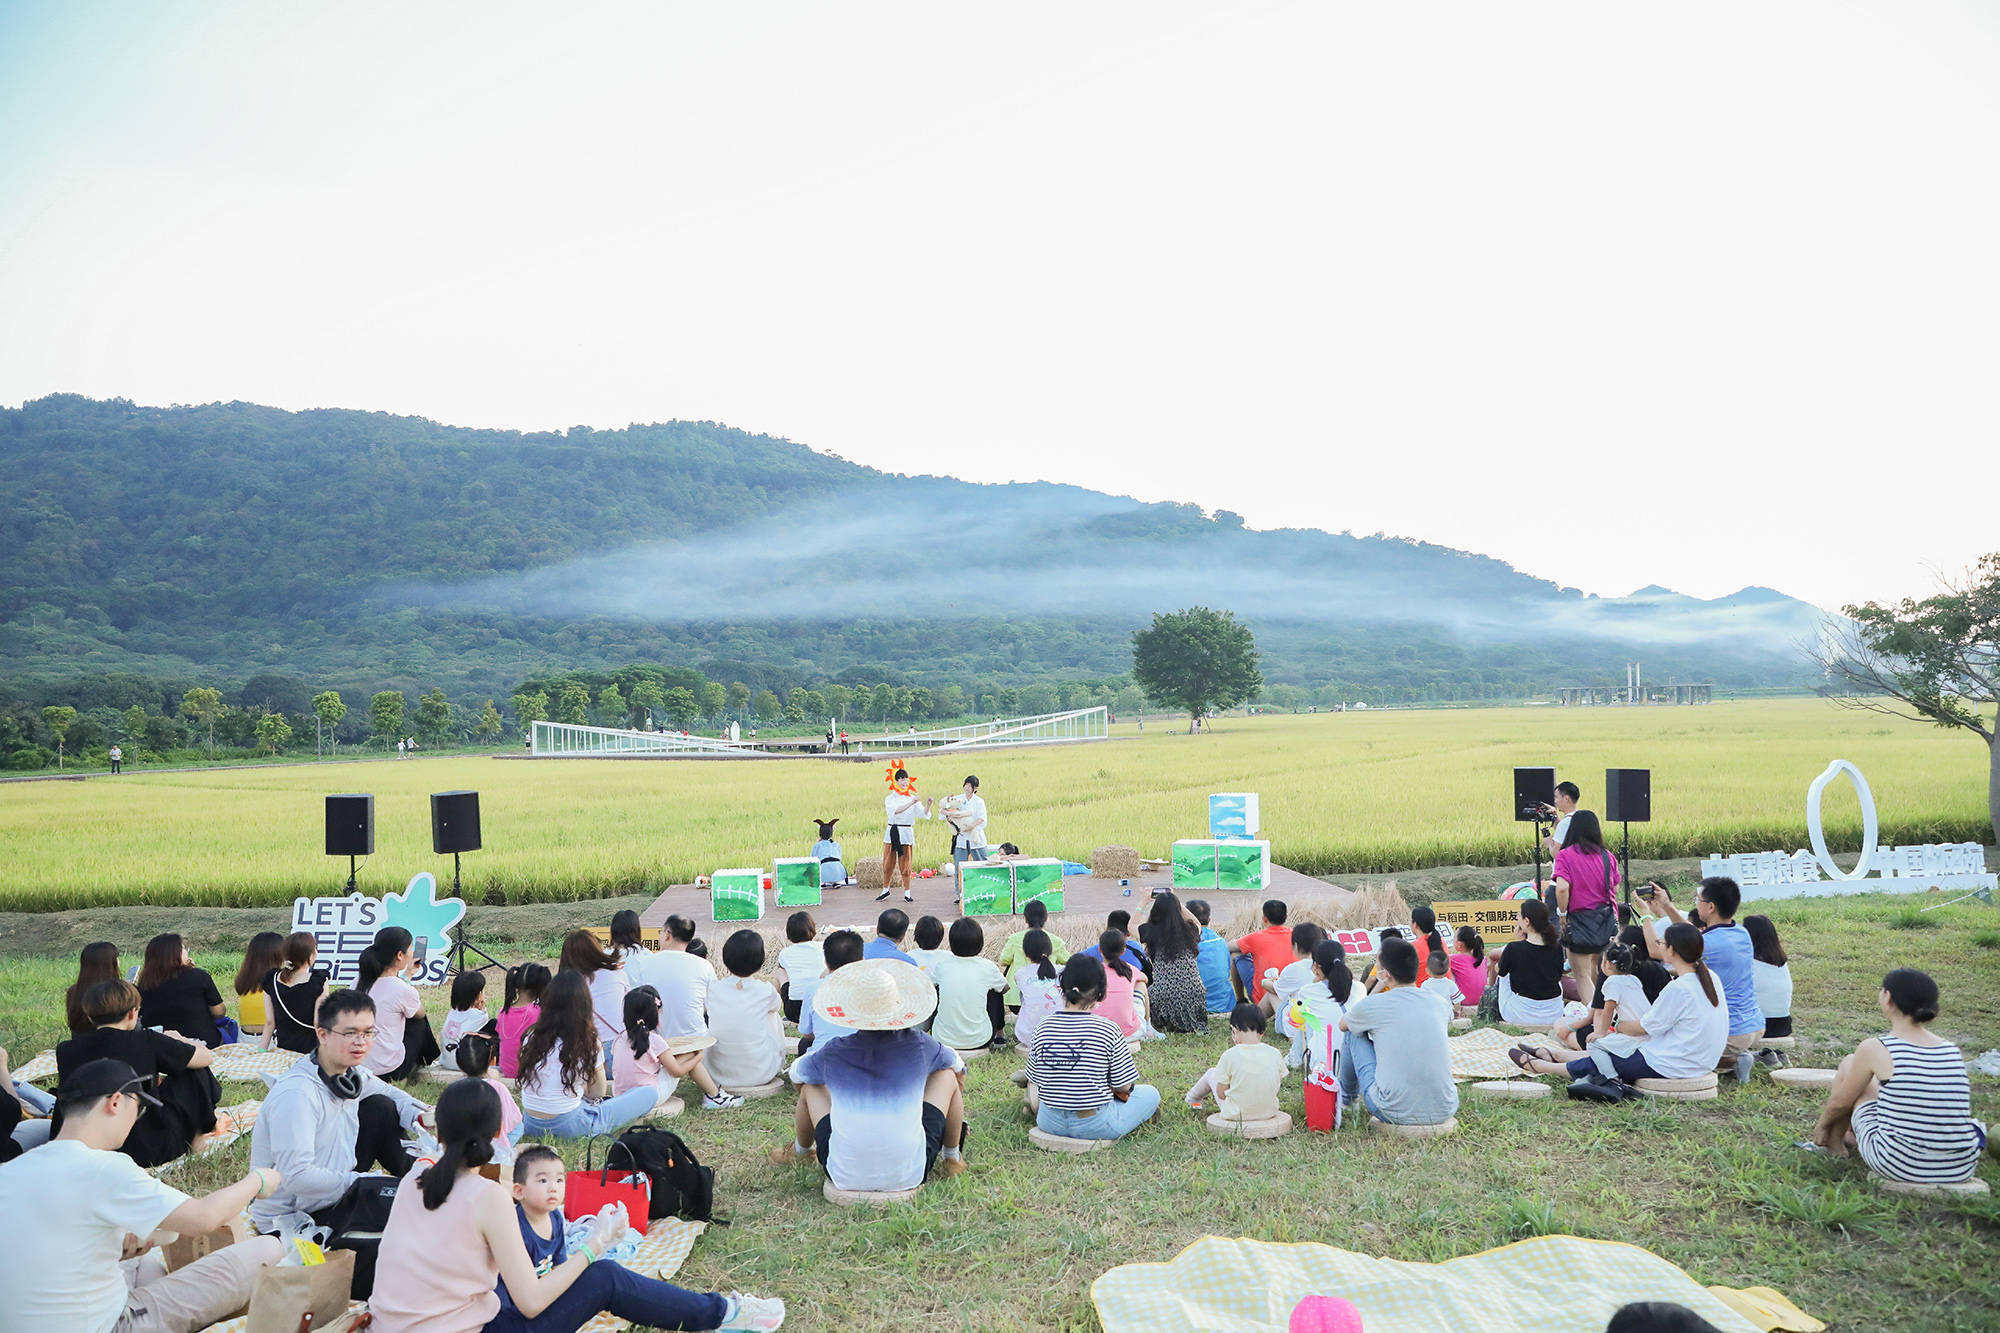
pixel 868 873
pixel 1114 862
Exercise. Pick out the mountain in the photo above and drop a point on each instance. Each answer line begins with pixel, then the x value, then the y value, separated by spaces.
pixel 365 550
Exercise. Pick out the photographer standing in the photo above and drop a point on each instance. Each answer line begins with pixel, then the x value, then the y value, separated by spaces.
pixel 1567 795
pixel 1585 877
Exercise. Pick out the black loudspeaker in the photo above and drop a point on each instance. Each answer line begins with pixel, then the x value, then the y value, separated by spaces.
pixel 1628 795
pixel 1533 788
pixel 454 822
pixel 350 825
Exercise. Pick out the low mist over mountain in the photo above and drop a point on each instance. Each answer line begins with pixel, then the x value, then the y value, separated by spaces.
pixel 366 550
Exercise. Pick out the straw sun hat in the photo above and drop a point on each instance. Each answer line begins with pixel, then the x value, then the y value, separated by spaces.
pixel 876 995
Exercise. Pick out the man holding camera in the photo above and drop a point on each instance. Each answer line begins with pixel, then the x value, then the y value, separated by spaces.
pixel 1728 952
pixel 1567 795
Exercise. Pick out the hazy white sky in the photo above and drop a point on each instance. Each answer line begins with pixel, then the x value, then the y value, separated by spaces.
pixel 1690 293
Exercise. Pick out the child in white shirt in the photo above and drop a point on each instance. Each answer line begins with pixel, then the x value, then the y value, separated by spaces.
pixel 468 1015
pixel 745 1018
pixel 1327 996
pixel 970 1011
pixel 1284 986
pixel 1244 1082
pixel 929 933
pixel 1439 982
pixel 801 964
pixel 1038 984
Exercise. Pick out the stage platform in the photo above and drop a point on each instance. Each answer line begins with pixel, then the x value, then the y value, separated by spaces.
pixel 1086 899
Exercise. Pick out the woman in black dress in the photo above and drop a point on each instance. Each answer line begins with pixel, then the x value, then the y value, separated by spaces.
pixel 177 995
pixel 292 994
pixel 176 1071
pixel 1177 999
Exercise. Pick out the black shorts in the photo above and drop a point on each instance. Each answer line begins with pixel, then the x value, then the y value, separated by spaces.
pixel 933 1137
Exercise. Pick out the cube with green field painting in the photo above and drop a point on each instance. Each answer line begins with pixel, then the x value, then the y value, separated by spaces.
pixel 737 895
pixel 988 888
pixel 1242 865
pixel 796 880
pixel 1038 879
pixel 1194 863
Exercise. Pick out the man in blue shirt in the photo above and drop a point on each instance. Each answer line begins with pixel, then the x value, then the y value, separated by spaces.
pixel 1212 958
pixel 890 928
pixel 1727 950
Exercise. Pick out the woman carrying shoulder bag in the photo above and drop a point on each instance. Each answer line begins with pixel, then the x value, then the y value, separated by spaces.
pixel 1585 877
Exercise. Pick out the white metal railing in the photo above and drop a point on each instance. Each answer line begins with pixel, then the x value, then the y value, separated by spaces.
pixel 551 739
pixel 564 738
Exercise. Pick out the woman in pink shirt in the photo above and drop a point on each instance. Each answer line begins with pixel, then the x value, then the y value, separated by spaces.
pixel 1117 1004
pixel 522 1006
pixel 1585 876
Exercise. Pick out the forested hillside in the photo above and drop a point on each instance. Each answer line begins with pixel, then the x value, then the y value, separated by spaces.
pixel 365 551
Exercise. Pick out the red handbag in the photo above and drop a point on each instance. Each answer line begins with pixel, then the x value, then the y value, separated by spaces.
pixel 588 1190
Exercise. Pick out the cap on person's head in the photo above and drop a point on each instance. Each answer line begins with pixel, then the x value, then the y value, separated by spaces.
pixel 98 1079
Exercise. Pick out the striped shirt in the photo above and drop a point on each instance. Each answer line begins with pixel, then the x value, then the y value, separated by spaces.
pixel 1077 1059
pixel 1919 1126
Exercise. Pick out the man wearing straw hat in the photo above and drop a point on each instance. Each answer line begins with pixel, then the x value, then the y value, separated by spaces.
pixel 894 1093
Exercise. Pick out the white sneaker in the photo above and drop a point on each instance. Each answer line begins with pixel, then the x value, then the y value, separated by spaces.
pixel 723 1101
pixel 754 1314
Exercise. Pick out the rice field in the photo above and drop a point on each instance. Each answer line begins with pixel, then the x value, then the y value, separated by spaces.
pixel 1341 793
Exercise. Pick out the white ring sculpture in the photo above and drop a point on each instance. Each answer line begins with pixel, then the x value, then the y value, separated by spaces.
pixel 1869 826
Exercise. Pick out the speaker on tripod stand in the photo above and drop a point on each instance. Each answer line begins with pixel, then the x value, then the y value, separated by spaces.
pixel 455 830
pixel 350 829
pixel 1628 800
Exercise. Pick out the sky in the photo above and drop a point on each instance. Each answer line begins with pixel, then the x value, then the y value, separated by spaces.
pixel 1695 294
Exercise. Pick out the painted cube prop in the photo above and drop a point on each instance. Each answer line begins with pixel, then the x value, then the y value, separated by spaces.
pixel 1194 863
pixel 737 895
pixel 796 879
pixel 988 887
pixel 1233 814
pixel 1038 880
pixel 1243 865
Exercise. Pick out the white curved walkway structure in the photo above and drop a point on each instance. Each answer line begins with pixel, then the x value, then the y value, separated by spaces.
pixel 562 740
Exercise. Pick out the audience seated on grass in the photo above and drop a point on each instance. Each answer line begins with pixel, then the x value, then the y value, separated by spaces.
pixel 628 937
pixel 1424 934
pixel 1683 1033
pixel 1081 1064
pixel 1771 977
pixel 1396 1057
pixel 971 990
pixel 23 1118
pixel 77 1205
pixel 1468 965
pixel 1120 920
pixel 1176 1001
pixel 1327 995
pixel 292 993
pixel 1119 1004
pixel 468 1015
pixel 1438 980
pixel 681 973
pixel 1213 961
pixel 522 1006
pixel 649 1059
pixel 474 1054
pixel 801 964
pixel 1728 953
pixel 97 962
pixel 603 971
pixel 745 1017
pixel 882 1105
pixel 403 1042
pixel 264 955
pixel 1037 982
pixel 177 995
pixel 173 1070
pixel 1262 951
pixel 1629 984
pixel 928 935
pixel 1531 969
pixel 1013 953
pixel 1903 1100
pixel 843 949
pixel 326 1121
pixel 454 1238
pixel 563 1080
pixel 890 928
pixel 1245 1081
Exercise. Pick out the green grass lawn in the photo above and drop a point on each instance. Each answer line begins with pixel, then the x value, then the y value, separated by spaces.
pixel 1016 1242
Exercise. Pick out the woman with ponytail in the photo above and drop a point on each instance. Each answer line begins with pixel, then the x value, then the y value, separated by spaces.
pixel 1468 964
pixel 1903 1100
pixel 1424 934
pixel 1081 1062
pixel 1531 970
pixel 403 1040
pixel 454 1236
pixel 562 1070
pixel 1036 981
pixel 1684 1032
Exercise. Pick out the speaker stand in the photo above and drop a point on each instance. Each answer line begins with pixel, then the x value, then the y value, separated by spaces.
pixel 1548 894
pixel 350 874
pixel 460 945
pixel 1625 861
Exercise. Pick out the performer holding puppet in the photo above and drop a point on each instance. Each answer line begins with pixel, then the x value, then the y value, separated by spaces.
pixel 904 808
pixel 832 868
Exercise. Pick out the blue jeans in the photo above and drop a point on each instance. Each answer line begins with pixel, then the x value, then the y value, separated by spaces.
pixel 1245 968
pixel 1113 1120
pixel 960 855
pixel 605 1285
pixel 34 1098
pixel 593 1118
pixel 1357 1070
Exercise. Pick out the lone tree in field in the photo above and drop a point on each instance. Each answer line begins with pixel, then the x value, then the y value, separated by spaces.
pixel 1937 660
pixel 328 711
pixel 203 704
pixel 1196 660
pixel 385 715
pixel 59 718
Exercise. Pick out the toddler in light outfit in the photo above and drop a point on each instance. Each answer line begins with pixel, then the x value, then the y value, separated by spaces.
pixel 1244 1082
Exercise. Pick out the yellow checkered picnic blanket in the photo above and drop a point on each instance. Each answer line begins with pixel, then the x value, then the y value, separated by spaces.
pixel 237 1063
pixel 662 1251
pixel 1482 1053
pixel 1246 1286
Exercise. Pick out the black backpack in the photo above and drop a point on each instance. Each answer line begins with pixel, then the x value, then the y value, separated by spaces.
pixel 681 1185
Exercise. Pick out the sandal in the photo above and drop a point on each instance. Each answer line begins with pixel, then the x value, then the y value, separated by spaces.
pixel 1520 1055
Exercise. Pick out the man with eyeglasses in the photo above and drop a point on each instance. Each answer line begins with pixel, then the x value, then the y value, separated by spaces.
pixel 326 1122
pixel 76 1207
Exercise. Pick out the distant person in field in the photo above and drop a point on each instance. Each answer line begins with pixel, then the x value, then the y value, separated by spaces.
pixel 117 760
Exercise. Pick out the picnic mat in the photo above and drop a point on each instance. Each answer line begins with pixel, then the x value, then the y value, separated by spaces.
pixel 242 1119
pixel 1482 1054
pixel 662 1251
pixel 1551 1284
pixel 238 1063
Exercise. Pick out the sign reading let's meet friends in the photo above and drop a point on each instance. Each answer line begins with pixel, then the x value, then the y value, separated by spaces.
pixel 346 925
